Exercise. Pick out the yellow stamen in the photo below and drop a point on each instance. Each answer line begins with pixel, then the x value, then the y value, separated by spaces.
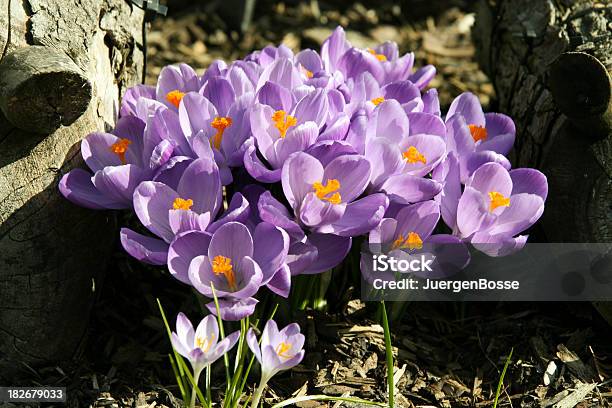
pixel 412 155
pixel 323 191
pixel 175 97
pixel 378 101
pixel 308 73
pixel 283 122
pixel 204 344
pixel 182 204
pixel 220 123
pixel 282 350
pixel 498 200
pixel 222 265
pixel 120 148
pixel 380 57
pixel 478 132
pixel 413 241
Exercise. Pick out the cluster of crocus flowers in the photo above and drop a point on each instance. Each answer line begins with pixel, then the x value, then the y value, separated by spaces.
pixel 269 166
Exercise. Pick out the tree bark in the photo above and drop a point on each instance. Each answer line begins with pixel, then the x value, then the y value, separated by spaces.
pixel 539 56
pixel 52 253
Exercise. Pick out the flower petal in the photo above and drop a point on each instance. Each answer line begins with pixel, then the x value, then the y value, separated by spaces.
pixel 146 249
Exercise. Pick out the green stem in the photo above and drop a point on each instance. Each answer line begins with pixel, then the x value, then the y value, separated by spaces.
pixel 326 398
pixel 194 394
pixel 258 393
pixel 389 353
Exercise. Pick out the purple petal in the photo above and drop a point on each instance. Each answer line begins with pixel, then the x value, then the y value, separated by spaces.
pixel 529 181
pixel 328 150
pixel 401 91
pixel 423 76
pixel 119 182
pixel 282 72
pixel 232 240
pixel 201 183
pixel 407 189
pixel 299 173
pixel 468 106
pixel 331 251
pixel 281 281
pixel 131 97
pixel 183 249
pixel 301 256
pixel 298 139
pixel 315 212
pixel 219 91
pixel 271 245
pixel 195 114
pixel 524 210
pixel 353 173
pixel 421 218
pixel 498 245
pixel 448 174
pixel 386 160
pixel 77 187
pixel 272 211
pixel 355 61
pixel 361 216
pixel 152 203
pixel 238 210
pixel 333 48
pixel 473 212
pixel 171 172
pixel 146 249
pixel 233 310
pixel 313 107
pixel 491 177
pixel 276 96
pixel 187 220
pixel 97 153
pixel 257 169
pixel 431 103
pixel 426 123
pixel 389 121
pixel 337 129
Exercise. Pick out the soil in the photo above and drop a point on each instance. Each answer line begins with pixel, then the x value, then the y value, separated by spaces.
pixel 447 354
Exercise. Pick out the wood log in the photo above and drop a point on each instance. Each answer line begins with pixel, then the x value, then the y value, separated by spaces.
pixel 550 64
pixel 64 65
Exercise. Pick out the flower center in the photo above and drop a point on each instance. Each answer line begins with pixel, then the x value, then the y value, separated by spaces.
pixel 380 57
pixel 498 200
pixel 205 343
pixel 331 187
pixel 120 148
pixel 413 241
pixel 282 350
pixel 412 155
pixel 182 204
pixel 283 122
pixel 220 123
pixel 175 97
pixel 478 132
pixel 378 101
pixel 308 73
pixel 222 265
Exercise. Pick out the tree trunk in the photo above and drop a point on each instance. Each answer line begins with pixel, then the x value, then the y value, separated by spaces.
pixel 63 66
pixel 539 56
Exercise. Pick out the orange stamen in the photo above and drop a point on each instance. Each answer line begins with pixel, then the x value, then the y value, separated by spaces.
pixel 378 101
pixel 182 204
pixel 478 132
pixel 380 57
pixel 283 122
pixel 413 241
pixel 222 265
pixel 175 97
pixel 120 148
pixel 412 155
pixel 498 200
pixel 220 123
pixel 323 191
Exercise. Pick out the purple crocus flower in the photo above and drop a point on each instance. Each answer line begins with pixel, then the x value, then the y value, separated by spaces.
pixel 119 161
pixel 237 262
pixel 174 82
pixel 281 128
pixel 366 91
pixel 324 199
pixel 278 350
pixel 400 158
pixel 167 212
pixel 409 231
pixel 203 346
pixel 496 205
pixel 477 137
